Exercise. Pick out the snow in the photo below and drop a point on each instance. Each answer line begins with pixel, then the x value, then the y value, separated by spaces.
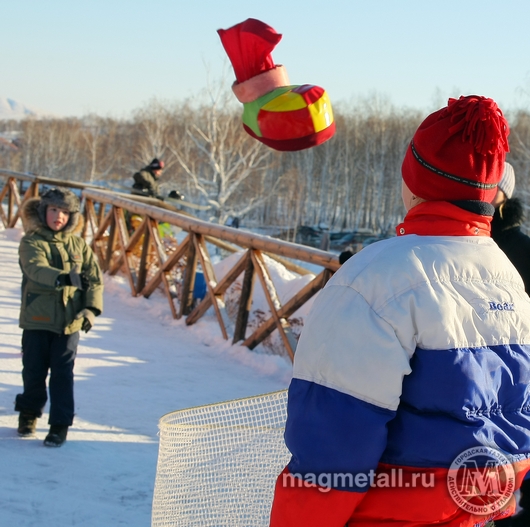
pixel 135 365
pixel 11 109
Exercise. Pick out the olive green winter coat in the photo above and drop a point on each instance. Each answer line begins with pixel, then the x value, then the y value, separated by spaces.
pixel 146 183
pixel 44 255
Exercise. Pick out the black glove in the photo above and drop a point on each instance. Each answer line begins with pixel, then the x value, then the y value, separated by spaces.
pixel 174 194
pixel 73 278
pixel 85 281
pixel 88 316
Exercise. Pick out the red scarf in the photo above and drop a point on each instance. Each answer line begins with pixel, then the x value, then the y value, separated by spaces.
pixel 441 218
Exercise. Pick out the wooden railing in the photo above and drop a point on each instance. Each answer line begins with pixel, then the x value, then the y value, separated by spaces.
pixel 124 233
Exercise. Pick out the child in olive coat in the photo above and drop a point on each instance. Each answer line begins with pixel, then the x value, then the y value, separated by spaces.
pixel 62 293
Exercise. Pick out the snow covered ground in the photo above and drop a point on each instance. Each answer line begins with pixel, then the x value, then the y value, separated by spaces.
pixel 134 366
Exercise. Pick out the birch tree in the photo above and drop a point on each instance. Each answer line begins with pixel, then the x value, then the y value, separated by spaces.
pixel 223 163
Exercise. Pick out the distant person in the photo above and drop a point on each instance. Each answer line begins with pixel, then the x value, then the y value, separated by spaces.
pixel 62 293
pixel 506 226
pixel 506 231
pixel 146 180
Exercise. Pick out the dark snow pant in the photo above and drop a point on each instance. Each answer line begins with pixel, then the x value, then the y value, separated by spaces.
pixel 42 351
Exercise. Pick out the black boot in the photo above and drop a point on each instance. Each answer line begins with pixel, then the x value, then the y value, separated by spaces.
pixel 56 436
pixel 27 423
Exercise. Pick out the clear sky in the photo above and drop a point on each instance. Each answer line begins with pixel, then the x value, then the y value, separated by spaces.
pixel 73 57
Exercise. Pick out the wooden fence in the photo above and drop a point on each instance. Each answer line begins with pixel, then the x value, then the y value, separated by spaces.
pixel 124 232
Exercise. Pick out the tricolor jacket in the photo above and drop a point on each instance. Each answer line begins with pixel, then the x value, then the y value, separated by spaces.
pixel 417 350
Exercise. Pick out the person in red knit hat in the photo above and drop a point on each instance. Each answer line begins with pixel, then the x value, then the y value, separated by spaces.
pixel 409 401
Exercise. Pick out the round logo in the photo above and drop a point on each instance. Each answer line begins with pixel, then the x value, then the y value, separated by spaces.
pixel 481 480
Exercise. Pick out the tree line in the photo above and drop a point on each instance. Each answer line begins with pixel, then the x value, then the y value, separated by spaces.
pixel 352 182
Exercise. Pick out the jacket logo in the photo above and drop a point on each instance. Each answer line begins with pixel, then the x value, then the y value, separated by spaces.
pixel 501 306
pixel 485 308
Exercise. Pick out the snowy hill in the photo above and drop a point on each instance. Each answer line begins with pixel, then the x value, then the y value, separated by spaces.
pixel 11 109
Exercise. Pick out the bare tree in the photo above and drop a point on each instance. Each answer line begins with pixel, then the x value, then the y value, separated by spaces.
pixel 225 165
pixel 97 134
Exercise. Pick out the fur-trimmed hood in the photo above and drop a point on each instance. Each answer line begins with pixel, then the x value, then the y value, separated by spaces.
pixel 33 218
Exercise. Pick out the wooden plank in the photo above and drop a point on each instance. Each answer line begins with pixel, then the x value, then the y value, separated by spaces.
pixel 220 289
pixel 245 301
pixel 188 281
pixel 290 307
pixel 2 212
pixel 211 282
pixel 110 241
pixel 166 266
pixel 152 225
pixel 134 240
pixel 97 238
pixel 12 199
pixel 123 239
pixel 90 221
pixel 90 216
pixel 104 225
pixel 144 257
pixel 233 249
pixel 282 324
pixel 27 195
pixel 101 212
pixel 155 237
pixel 4 191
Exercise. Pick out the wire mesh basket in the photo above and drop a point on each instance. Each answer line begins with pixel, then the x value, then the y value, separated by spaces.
pixel 217 464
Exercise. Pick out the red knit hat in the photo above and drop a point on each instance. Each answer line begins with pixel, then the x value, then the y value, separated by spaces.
pixel 458 152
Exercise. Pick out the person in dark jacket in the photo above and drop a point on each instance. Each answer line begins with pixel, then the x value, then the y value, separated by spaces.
pixel 345 255
pixel 146 180
pixel 62 293
pixel 506 226
pixel 506 232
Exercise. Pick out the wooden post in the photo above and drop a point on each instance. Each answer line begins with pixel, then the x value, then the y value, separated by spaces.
pixel 11 200
pixel 188 282
pixel 282 324
pixel 27 195
pixel 165 267
pixel 211 283
pixel 123 238
pixel 162 258
pixel 290 307
pixel 218 290
pixel 245 301
pixel 142 270
pixel 110 242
